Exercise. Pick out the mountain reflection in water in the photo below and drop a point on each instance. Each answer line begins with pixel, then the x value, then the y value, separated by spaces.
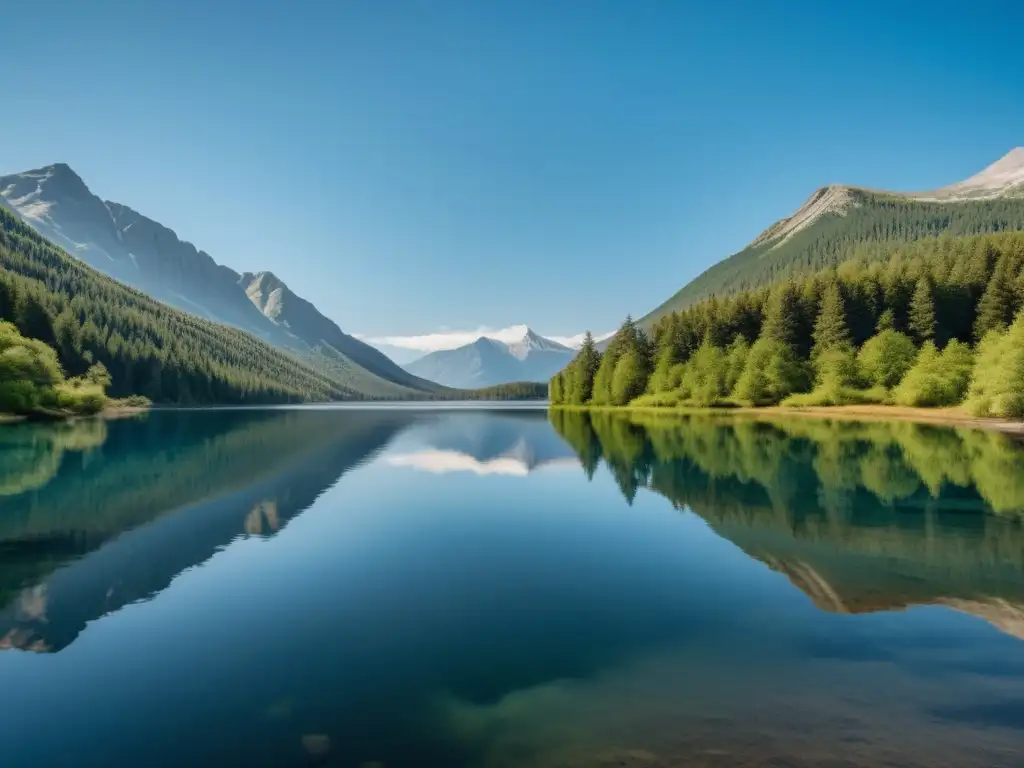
pixel 509 587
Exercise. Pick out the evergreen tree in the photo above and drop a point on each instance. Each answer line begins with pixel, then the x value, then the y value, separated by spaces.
pixel 831 330
pixel 999 302
pixel 555 393
pixel 886 321
pixel 922 311
pixel 782 316
pixel 661 377
pixel 578 382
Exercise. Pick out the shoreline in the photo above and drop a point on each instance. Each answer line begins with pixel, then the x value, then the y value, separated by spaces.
pixel 59 417
pixel 949 417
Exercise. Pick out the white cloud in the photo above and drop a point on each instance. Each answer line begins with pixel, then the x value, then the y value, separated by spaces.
pixel 442 462
pixel 576 341
pixel 450 339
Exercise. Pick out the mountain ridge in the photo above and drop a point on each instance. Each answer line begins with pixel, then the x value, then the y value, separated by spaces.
pixel 488 362
pixel 837 218
pixel 149 256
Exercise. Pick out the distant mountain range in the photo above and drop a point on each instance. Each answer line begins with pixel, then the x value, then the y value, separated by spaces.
pixel 146 255
pixel 838 218
pixel 487 362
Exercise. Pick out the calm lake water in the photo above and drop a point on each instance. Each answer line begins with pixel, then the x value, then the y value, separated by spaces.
pixel 408 587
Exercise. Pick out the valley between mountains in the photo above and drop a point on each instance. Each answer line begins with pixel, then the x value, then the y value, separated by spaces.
pixel 101 283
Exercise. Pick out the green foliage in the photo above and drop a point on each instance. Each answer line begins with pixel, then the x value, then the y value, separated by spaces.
pixel 147 347
pixel 31 378
pixel 922 311
pixel 997 387
pixel 705 376
pixel 628 381
pixel 937 378
pixel 871 230
pixel 556 389
pixel 518 390
pixel 931 290
pixel 782 316
pixel 663 378
pixel 885 358
pixel 830 330
pixel 659 400
pixel 772 373
pixel 576 382
pixel 1000 301
pixel 735 362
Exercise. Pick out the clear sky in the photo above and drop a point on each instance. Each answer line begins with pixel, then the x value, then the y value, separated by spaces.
pixel 416 166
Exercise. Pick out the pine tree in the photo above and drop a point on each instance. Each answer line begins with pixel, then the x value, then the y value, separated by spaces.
pixel 782 316
pixel 584 369
pixel 999 302
pixel 831 330
pixel 922 311
pixel 886 321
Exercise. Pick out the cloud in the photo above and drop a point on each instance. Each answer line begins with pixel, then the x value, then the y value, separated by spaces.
pixel 577 341
pixel 450 339
pixel 438 462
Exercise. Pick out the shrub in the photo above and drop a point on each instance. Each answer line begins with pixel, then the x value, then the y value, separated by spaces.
pixel 658 400
pixel 837 396
pixel 886 357
pixel 772 372
pixel 937 378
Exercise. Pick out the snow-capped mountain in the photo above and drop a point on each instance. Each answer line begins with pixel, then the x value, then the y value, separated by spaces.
pixel 487 362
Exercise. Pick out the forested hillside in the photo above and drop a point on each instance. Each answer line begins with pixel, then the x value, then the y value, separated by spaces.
pixel 144 254
pixel 149 348
pixel 867 229
pixel 930 323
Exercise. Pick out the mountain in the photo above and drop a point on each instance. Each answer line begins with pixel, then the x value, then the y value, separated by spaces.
pixel 837 219
pixel 148 347
pixel 512 442
pixel 146 255
pixel 487 362
pixel 286 309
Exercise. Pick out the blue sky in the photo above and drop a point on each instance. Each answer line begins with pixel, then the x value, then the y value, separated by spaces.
pixel 417 166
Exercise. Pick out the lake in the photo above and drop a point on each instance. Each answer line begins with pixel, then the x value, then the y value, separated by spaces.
pixel 500 587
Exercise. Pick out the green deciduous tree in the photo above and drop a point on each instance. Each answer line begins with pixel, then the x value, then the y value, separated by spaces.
pixel 997 386
pixel 937 378
pixel 885 358
pixel 772 373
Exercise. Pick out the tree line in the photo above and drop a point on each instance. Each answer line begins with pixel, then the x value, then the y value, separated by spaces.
pixel 147 347
pixel 936 322
pixel 867 231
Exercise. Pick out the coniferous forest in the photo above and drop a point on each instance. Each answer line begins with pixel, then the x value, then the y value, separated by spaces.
pixel 937 322
pixel 103 331
pixel 871 227
pixel 148 348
